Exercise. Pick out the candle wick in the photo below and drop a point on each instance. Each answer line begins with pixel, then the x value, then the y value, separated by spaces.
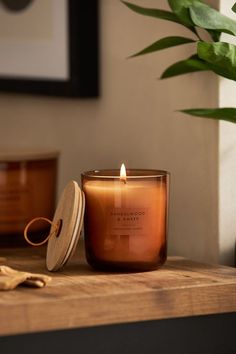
pixel 123 179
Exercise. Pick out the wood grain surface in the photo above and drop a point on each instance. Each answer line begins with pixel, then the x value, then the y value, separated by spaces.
pixel 80 297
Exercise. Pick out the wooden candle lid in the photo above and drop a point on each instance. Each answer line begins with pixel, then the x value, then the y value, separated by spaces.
pixel 69 213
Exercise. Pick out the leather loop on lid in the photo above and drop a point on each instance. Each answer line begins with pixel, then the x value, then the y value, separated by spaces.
pixel 54 230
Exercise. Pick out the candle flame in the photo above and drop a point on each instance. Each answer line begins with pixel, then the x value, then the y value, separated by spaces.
pixel 123 173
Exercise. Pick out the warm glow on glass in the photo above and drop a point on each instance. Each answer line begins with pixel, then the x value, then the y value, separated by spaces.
pixel 126 218
pixel 123 173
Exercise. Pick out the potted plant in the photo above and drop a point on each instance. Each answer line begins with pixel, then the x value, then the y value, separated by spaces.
pixel 214 55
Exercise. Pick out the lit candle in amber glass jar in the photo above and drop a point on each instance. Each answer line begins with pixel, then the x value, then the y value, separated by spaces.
pixel 126 218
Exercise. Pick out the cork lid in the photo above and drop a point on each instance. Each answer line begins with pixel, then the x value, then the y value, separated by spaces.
pixel 69 215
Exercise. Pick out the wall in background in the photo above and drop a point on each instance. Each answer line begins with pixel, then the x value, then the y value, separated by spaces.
pixel 227 161
pixel 134 121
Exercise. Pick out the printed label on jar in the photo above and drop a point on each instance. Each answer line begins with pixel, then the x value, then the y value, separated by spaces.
pixel 127 221
pixel 14 204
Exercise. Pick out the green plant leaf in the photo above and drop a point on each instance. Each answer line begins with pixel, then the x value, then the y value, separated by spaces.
pixel 163 44
pixel 181 9
pixel 227 114
pixel 206 17
pixel 234 8
pixel 184 67
pixel 160 14
pixel 221 57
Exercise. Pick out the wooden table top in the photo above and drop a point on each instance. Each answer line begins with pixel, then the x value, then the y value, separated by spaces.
pixel 80 297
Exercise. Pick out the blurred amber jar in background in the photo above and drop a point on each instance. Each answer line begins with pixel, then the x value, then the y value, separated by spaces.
pixel 126 219
pixel 28 184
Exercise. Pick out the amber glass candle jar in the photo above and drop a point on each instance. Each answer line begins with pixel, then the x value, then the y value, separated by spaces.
pixel 28 182
pixel 126 219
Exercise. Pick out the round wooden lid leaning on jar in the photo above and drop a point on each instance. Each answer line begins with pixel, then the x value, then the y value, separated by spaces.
pixel 69 216
pixel 66 227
